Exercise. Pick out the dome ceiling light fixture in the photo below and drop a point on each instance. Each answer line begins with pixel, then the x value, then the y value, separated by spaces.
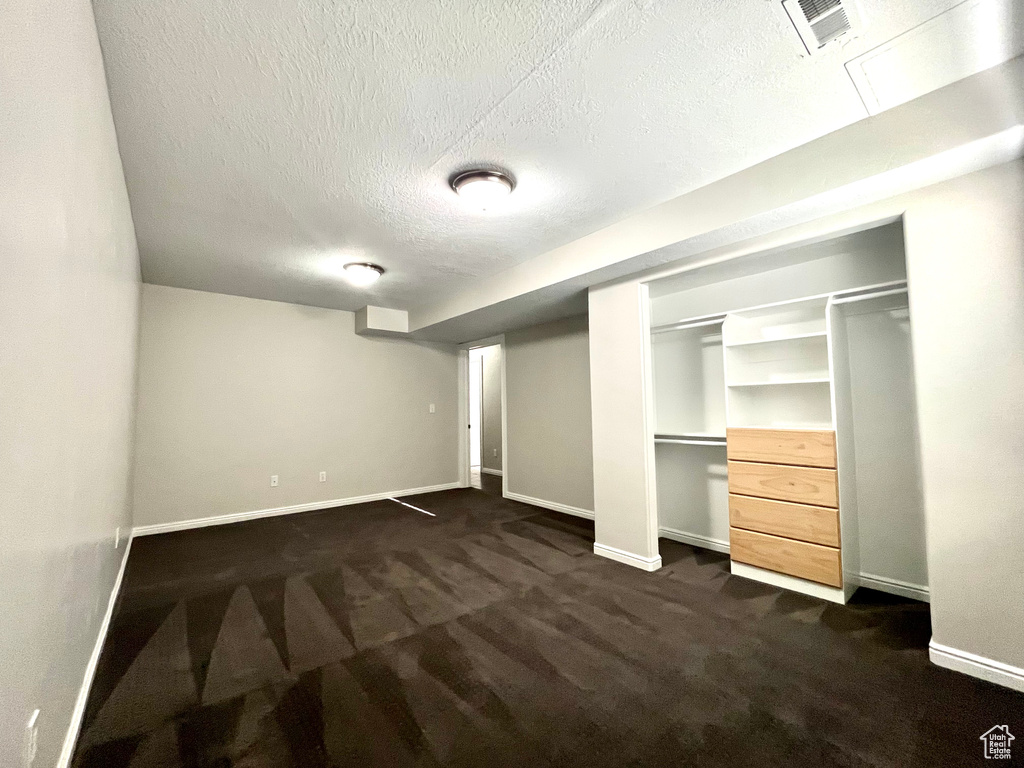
pixel 483 189
pixel 362 273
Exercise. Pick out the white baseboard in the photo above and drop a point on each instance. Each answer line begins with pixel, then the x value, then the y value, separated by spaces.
pixel 893 586
pixel 237 517
pixel 552 505
pixel 694 540
pixel 488 471
pixel 622 556
pixel 869 580
pixel 792 583
pixel 71 738
pixel 976 666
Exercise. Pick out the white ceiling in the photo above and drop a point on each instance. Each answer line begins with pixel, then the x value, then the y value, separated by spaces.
pixel 266 143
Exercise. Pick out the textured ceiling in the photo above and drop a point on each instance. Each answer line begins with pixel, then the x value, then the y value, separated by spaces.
pixel 266 143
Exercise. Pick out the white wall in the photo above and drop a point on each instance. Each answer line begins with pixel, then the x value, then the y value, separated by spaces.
pixel 234 390
pixel 965 257
pixel 68 326
pixel 890 527
pixel 550 450
pixel 491 444
pixel 862 258
pixel 621 387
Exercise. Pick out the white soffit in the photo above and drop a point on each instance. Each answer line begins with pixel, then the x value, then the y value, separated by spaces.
pixel 963 41
pixel 380 321
pixel 969 125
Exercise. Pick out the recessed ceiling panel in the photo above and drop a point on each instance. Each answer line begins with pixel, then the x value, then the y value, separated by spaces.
pixel 963 41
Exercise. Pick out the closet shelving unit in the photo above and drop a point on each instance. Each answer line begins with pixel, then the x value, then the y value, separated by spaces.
pixel 784 522
pixel 782 424
pixel 689 387
pixel 689 378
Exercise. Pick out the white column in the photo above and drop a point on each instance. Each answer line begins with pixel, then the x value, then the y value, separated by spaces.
pixel 625 505
pixel 965 258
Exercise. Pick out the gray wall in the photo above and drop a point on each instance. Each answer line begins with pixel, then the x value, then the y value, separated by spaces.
pixel 234 390
pixel 550 452
pixel 491 445
pixel 68 325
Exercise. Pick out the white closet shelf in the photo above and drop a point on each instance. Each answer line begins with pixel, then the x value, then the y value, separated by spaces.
pixel 781 383
pixel 793 337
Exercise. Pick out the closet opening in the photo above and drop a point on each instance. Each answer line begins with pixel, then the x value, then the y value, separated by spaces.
pixel 785 418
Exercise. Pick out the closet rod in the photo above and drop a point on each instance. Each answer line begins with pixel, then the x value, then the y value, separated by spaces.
pixel 865 296
pixel 685 326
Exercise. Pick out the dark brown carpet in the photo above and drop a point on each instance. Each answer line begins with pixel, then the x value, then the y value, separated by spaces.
pixel 490 635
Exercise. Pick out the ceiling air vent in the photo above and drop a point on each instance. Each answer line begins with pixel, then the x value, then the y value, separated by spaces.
pixel 819 22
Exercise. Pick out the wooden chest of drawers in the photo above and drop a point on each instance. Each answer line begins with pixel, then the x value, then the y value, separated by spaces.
pixel 784 502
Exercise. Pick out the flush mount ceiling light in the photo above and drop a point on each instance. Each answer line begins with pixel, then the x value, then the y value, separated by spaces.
pixel 483 189
pixel 362 273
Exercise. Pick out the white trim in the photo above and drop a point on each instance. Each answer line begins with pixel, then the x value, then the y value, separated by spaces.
pixel 502 349
pixel 622 556
pixel 489 471
pixel 71 738
pixel 552 505
pixel 463 410
pixel 648 426
pixel 237 517
pixel 792 583
pixel 976 666
pixel 893 586
pixel 491 341
pixel 479 364
pixel 704 542
pixel 410 506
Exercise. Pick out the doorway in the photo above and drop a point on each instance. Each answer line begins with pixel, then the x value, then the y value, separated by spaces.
pixel 484 402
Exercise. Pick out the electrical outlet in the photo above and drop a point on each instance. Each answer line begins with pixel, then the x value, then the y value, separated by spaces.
pixel 323 477
pixel 495 452
pixel 433 408
pixel 273 481
pixel 31 742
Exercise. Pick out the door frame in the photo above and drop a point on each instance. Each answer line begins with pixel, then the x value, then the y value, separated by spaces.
pixel 463 349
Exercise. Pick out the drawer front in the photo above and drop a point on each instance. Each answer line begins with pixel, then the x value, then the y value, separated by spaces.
pixel 807 448
pixel 818 525
pixel 804 485
pixel 795 558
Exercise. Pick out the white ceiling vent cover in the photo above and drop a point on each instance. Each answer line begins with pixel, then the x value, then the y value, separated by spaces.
pixel 820 22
